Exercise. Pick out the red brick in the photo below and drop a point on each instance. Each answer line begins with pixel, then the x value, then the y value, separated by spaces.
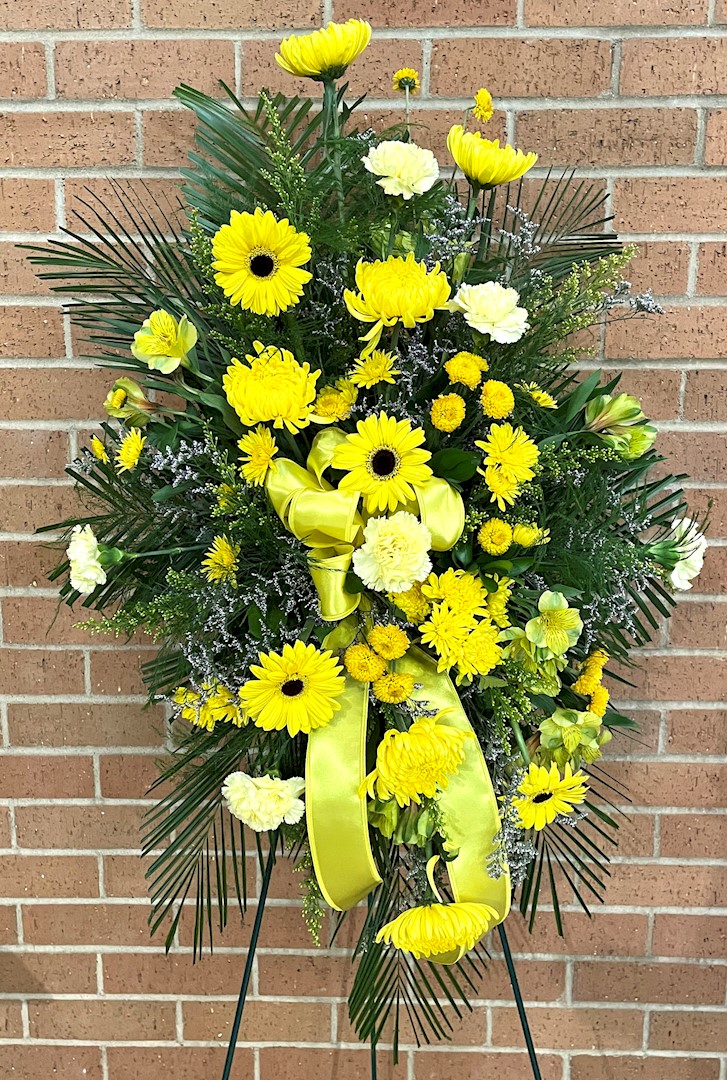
pixel 603 934
pixel 662 266
pixel 643 1068
pixel 168 136
pixel 26 507
pixel 263 1021
pixel 47 450
pixel 699 625
pixel 48 973
pixel 23 776
pixel 648 885
pixel 32 671
pixel 692 332
pixel 443 1065
pixel 695 731
pixel 699 936
pixel 181 1062
pixel 564 1028
pixel 671 204
pixel 141 69
pixel 702 1031
pixel 11 1021
pixel 157 198
pixel 79 924
pixel 700 455
pixel 118 672
pixel 124 875
pixel 25 563
pixel 153 973
pixel 678 65
pixel 713 500
pixel 694 836
pixel 18 278
pixel 660 783
pixel 713 578
pixel 690 984
pixel 31 331
pixel 712 268
pixel 127 776
pixel 609 136
pixel 64 15
pixel 227 15
pixel 4 828
pixel 715 150
pixel 290 1063
pixel 617 13
pixel 8 925
pixel 91 828
pixel 85 725
pixel 524 67
pixel 101 1020
pixel 397 13
pixel 38 618
pixel 74 139
pixel 27 205
pixel 283 927
pixel 22 70
pixel 667 678
pixel 32 1062
pixel 71 394
pixel 706 395
pixel 658 391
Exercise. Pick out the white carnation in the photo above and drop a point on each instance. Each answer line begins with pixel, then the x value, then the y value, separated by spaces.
pixel 395 553
pixel 83 555
pixel 492 309
pixel 264 802
pixel 405 169
pixel 690 544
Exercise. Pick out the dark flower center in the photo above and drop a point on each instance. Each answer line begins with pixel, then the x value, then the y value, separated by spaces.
pixel 292 687
pixel 262 265
pixel 542 796
pixel 383 463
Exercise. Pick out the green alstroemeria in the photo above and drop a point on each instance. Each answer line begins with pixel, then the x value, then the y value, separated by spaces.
pixel 413 825
pixel 604 413
pixel 557 627
pixel 163 343
pixel 572 736
pixel 538 662
pixel 127 401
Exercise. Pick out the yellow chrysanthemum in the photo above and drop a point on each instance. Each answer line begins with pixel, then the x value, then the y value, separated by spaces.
pixel 163 343
pixel 226 498
pixel 540 397
pixel 379 367
pixel 599 700
pixel 259 448
pixel 446 632
pixel 464 592
pixel 480 652
pixel 383 461
pixel 466 368
pixel 363 664
pixel 483 161
pixel 220 562
pixel 258 261
pixel 497 601
pixel 271 386
pixel 394 687
pixel 495 536
pixel 412 602
pixel 406 79
pixel 396 290
pixel 389 641
pixel 545 794
pixel 99 450
pixel 447 412
pixel 418 762
pixel 298 689
pixel 215 703
pixel 482 109
pixel 503 490
pixel 326 53
pixel 510 450
pixel 128 454
pixel 333 403
pixel 528 534
pixel 434 929
pixel 497 399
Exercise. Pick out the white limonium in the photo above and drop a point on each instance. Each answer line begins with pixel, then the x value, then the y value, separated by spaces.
pixel 395 553
pixel 83 554
pixel 264 802
pixel 492 309
pixel 405 169
pixel 689 544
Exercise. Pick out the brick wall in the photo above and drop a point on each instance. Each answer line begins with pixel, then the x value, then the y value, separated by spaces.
pixel 634 91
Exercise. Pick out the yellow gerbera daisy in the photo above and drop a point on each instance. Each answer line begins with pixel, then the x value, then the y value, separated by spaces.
pixel 363 664
pixel 258 260
pixel 220 562
pixel 383 461
pixel 466 368
pixel 297 689
pixel 367 371
pixel 406 79
pixel 447 412
pixel 495 536
pixel 271 386
pixel 434 929
pixel 389 641
pixel 497 399
pixel 545 794
pixel 128 454
pixel 540 397
pixel 394 688
pixel 483 161
pixel 416 762
pixel 482 109
pixel 395 290
pixel 259 448
pixel 99 450
pixel 326 53
pixel 511 450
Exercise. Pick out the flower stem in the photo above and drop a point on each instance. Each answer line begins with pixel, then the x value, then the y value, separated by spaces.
pixel 330 108
pixel 517 732
pixel 519 1002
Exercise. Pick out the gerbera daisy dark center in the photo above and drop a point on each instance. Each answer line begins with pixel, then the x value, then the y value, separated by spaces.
pixel 383 463
pixel 262 264
pixel 292 687
pixel 542 796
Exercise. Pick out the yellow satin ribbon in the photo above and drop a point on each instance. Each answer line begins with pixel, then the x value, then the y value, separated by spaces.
pixel 327 519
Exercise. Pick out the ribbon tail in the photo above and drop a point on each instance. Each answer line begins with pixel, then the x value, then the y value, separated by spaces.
pixel 468 804
pixel 442 511
pixel 328 572
pixel 336 814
